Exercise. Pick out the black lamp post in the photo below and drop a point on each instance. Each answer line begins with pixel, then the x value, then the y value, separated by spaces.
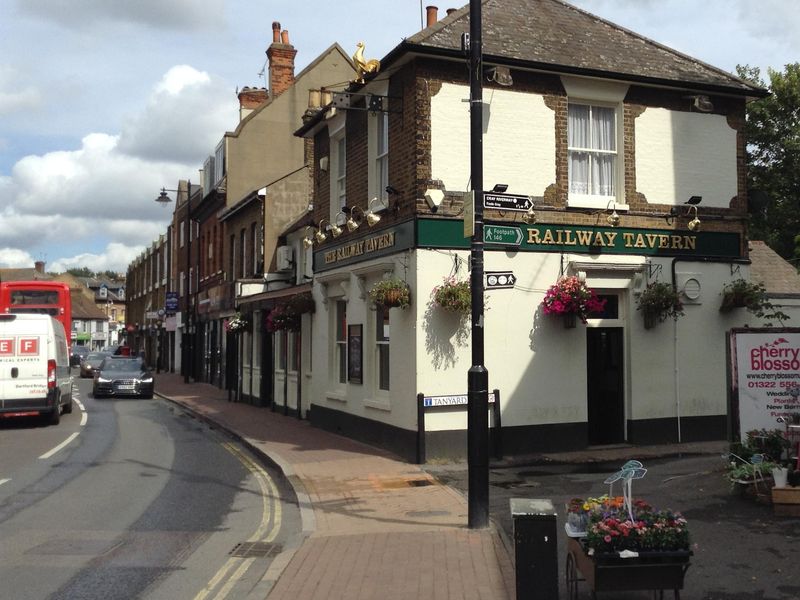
pixel 187 343
pixel 478 376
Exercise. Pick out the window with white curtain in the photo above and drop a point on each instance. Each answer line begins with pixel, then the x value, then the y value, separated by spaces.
pixel 382 348
pixel 340 341
pixel 592 150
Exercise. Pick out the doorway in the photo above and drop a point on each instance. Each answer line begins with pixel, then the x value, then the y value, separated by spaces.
pixel 605 393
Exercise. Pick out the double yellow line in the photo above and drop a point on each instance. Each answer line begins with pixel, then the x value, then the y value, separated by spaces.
pixel 234 569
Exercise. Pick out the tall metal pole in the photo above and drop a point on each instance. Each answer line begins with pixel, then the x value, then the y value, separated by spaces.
pixel 185 344
pixel 478 376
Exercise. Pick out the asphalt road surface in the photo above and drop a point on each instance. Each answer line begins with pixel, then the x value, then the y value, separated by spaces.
pixel 136 499
pixel 741 550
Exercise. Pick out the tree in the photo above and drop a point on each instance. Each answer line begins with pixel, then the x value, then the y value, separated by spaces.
pixel 81 272
pixel 772 132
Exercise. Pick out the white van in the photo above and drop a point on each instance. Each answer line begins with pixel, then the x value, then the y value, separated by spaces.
pixel 35 376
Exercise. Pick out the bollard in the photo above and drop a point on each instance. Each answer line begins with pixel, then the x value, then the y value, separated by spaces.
pixel 535 548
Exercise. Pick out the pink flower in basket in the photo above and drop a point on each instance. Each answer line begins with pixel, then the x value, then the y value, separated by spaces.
pixel 571 296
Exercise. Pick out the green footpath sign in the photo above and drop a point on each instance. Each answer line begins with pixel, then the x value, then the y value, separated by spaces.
pixel 505 235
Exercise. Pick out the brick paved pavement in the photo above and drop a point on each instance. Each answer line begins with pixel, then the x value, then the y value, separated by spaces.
pixel 377 527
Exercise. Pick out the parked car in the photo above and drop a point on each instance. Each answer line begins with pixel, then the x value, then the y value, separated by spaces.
pixel 76 354
pixel 123 376
pixel 91 362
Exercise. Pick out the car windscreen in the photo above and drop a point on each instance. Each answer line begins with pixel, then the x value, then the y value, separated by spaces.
pixel 95 356
pixel 122 364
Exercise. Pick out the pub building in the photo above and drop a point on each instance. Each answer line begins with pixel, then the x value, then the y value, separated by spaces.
pixel 633 159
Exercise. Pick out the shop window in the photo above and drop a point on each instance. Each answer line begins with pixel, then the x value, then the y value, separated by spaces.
pixel 340 350
pixel 382 348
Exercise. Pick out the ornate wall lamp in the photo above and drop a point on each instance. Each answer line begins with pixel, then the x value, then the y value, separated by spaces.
pixel 675 211
pixel 352 223
pixel 336 229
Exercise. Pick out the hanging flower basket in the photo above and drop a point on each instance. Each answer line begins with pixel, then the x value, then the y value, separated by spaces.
pixel 658 301
pixel 571 298
pixel 453 296
pixel 300 304
pixel 280 319
pixel 390 293
pixel 236 324
pixel 741 293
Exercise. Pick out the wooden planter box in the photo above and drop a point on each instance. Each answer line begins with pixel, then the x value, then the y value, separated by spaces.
pixel 609 572
pixel 786 501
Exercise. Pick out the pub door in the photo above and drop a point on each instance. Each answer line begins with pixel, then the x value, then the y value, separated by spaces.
pixel 605 394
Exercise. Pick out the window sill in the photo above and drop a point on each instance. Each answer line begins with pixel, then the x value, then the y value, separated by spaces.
pixel 383 404
pixel 596 202
pixel 336 396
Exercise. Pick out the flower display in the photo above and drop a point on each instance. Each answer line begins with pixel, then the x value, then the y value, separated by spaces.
pixel 236 323
pixel 610 528
pixel 390 293
pixel 281 318
pixel 453 295
pixel 658 301
pixel 571 296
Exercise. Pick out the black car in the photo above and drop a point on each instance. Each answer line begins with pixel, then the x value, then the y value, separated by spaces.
pixel 76 354
pixel 123 376
pixel 91 362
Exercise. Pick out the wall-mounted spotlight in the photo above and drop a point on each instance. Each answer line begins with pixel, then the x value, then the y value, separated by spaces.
pixel 499 188
pixel 320 236
pixel 501 76
pixel 529 217
pixel 694 200
pixel 694 224
pixel 371 216
pixel 336 229
pixel 702 103
pixel 351 222
pixel 391 190
pixel 308 242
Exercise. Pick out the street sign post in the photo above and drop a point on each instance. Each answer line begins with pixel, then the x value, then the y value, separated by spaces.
pixel 499 280
pixel 511 202
pixel 504 235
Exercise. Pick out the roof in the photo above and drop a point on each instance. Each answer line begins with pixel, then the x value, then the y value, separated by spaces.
pixel 23 275
pixel 556 36
pixel 769 268
pixel 85 308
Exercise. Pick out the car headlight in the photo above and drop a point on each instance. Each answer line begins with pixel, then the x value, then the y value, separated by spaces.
pixel 101 379
pixel 147 379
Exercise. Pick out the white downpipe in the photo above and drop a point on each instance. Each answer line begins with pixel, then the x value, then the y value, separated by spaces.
pixel 677 376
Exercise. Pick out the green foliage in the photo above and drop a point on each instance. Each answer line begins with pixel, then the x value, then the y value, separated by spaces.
pixel 453 295
pixel 753 297
pixel 390 293
pixel 772 132
pixel 660 299
pixel 81 272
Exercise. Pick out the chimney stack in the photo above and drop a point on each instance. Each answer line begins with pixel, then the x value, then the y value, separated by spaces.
pixel 450 11
pixel 281 61
pixel 39 266
pixel 250 99
pixel 432 16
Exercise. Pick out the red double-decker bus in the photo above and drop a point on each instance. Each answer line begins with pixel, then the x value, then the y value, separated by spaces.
pixel 42 297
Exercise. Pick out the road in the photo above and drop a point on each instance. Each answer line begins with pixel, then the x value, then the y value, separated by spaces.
pixel 741 550
pixel 135 498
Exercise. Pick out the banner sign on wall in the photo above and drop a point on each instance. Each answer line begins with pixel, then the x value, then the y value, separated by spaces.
pixel 766 375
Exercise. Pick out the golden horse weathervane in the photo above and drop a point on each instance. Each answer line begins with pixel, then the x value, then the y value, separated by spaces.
pixel 363 66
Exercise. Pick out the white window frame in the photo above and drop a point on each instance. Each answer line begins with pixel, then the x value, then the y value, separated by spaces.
pixel 378 152
pixel 382 319
pixel 339 365
pixel 337 162
pixel 611 201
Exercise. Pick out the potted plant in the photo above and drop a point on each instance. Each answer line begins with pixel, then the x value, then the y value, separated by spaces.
pixel 741 293
pixel 236 324
pixel 390 293
pixel 658 301
pixel 453 296
pixel 571 298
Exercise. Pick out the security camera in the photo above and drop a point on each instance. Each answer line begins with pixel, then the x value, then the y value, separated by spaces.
pixel 434 199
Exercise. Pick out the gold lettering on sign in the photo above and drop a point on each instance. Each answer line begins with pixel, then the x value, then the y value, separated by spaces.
pixel 608 239
pixel 373 244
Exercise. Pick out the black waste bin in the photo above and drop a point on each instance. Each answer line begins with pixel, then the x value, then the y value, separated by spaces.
pixel 535 548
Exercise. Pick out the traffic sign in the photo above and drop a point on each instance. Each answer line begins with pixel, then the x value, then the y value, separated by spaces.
pixel 507 202
pixel 502 234
pixel 500 280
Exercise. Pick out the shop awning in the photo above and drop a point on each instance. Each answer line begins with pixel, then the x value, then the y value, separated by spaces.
pixel 269 299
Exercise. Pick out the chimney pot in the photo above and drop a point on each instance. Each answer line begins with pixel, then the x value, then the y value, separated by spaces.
pixel 276 32
pixel 451 11
pixel 432 16
pixel 281 56
pixel 285 37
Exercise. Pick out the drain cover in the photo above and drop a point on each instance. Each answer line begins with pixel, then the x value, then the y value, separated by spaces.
pixel 255 549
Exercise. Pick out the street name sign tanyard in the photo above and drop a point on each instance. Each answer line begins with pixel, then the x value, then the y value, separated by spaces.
pixel 502 234
pixel 450 400
pixel 507 202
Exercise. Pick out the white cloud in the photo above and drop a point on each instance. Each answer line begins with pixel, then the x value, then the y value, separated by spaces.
pixel 116 257
pixel 14 258
pixel 15 96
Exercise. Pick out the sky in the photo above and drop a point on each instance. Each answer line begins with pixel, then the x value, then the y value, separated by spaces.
pixel 103 103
